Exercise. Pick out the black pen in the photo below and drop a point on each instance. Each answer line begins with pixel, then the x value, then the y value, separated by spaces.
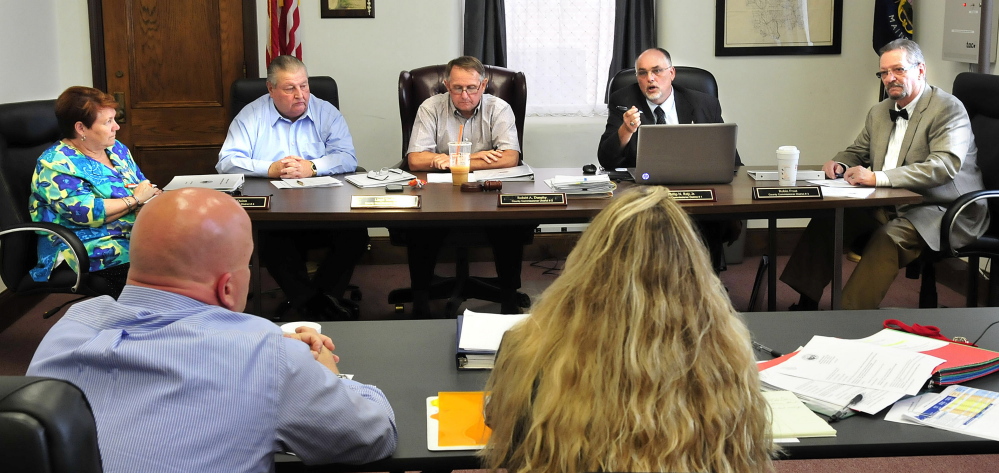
pixel 625 109
pixel 767 350
pixel 842 412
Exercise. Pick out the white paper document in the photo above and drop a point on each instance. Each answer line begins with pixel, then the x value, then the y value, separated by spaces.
pixel 874 400
pixel 516 173
pixel 907 405
pixel 319 181
pixel 791 419
pixel 830 183
pixel 484 331
pixel 861 364
pixel 961 409
pixel 841 188
pixel 380 178
pixel 849 193
pixel 219 182
pixel 903 341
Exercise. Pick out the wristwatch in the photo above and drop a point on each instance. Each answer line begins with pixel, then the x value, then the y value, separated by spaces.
pixel 315 172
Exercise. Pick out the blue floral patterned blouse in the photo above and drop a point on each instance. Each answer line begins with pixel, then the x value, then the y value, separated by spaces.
pixel 69 189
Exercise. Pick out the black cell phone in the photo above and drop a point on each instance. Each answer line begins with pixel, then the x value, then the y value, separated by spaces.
pixel 393 188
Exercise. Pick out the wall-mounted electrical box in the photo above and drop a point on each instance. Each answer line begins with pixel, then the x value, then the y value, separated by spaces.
pixel 962 24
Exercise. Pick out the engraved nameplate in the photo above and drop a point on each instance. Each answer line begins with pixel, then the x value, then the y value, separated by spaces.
pixel 384 201
pixel 693 195
pixel 801 192
pixel 532 199
pixel 257 202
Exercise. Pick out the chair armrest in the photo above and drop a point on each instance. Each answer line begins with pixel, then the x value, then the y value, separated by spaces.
pixel 953 210
pixel 66 235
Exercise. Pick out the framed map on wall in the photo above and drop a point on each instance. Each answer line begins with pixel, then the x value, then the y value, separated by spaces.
pixel 347 8
pixel 778 27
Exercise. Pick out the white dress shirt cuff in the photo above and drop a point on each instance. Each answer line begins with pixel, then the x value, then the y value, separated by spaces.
pixel 881 179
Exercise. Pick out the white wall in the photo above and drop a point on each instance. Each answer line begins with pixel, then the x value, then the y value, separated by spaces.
pixel 815 102
pixel 365 56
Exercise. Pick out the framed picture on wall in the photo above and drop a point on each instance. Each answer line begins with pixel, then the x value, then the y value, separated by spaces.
pixel 757 28
pixel 347 8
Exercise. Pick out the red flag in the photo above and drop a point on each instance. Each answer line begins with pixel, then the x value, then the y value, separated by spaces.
pixel 282 38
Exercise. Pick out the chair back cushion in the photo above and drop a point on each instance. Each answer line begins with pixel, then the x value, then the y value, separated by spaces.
pixel 419 84
pixel 26 129
pixel 687 77
pixel 46 425
pixel 980 95
pixel 244 91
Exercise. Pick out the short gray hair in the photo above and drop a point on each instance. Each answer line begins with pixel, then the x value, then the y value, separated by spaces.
pixel 912 51
pixel 283 63
pixel 468 63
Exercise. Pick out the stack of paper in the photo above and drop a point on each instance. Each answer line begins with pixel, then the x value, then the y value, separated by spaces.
pixel 219 182
pixel 320 181
pixel 380 178
pixel 841 188
pixel 836 371
pixel 516 173
pixel 479 337
pixel 791 419
pixel 598 185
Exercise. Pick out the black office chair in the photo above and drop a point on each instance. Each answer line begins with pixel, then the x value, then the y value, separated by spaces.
pixel 244 91
pixel 418 85
pixel 980 95
pixel 415 87
pixel 687 77
pixel 27 129
pixel 46 426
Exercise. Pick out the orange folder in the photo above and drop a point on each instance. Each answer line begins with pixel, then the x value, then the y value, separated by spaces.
pixel 461 420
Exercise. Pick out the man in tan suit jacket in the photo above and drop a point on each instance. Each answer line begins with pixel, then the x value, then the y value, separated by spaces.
pixel 919 139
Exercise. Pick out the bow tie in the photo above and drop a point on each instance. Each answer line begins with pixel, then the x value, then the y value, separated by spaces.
pixel 895 114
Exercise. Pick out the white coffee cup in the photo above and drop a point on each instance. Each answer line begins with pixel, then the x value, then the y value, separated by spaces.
pixel 291 326
pixel 787 165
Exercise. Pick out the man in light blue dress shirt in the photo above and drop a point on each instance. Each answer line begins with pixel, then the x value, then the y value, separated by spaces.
pixel 291 134
pixel 180 380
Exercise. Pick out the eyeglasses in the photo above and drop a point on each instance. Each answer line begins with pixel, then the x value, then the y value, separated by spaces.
pixel 895 71
pixel 658 71
pixel 383 173
pixel 458 90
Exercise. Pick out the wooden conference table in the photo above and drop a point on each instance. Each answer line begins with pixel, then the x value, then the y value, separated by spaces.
pixel 443 204
pixel 410 360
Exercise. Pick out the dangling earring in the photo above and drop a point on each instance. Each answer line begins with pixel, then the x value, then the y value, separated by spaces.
pixel 84 138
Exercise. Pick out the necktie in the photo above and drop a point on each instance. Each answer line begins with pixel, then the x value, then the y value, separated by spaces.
pixel 895 114
pixel 660 116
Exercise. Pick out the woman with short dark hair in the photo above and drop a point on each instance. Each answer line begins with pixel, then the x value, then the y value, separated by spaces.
pixel 89 183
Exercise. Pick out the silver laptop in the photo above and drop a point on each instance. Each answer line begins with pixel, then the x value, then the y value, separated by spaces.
pixel 701 153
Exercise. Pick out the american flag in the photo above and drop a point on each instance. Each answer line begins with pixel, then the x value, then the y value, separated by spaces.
pixel 283 37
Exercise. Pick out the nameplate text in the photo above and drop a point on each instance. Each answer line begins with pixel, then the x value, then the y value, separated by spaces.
pixel 257 202
pixel 531 199
pixel 695 195
pixel 385 201
pixel 801 192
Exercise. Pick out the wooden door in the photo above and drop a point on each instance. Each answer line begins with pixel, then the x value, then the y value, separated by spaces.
pixel 170 63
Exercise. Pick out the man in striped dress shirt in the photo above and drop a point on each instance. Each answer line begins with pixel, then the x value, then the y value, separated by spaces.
pixel 180 380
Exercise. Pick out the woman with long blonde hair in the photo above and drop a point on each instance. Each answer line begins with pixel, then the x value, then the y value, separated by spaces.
pixel 632 360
